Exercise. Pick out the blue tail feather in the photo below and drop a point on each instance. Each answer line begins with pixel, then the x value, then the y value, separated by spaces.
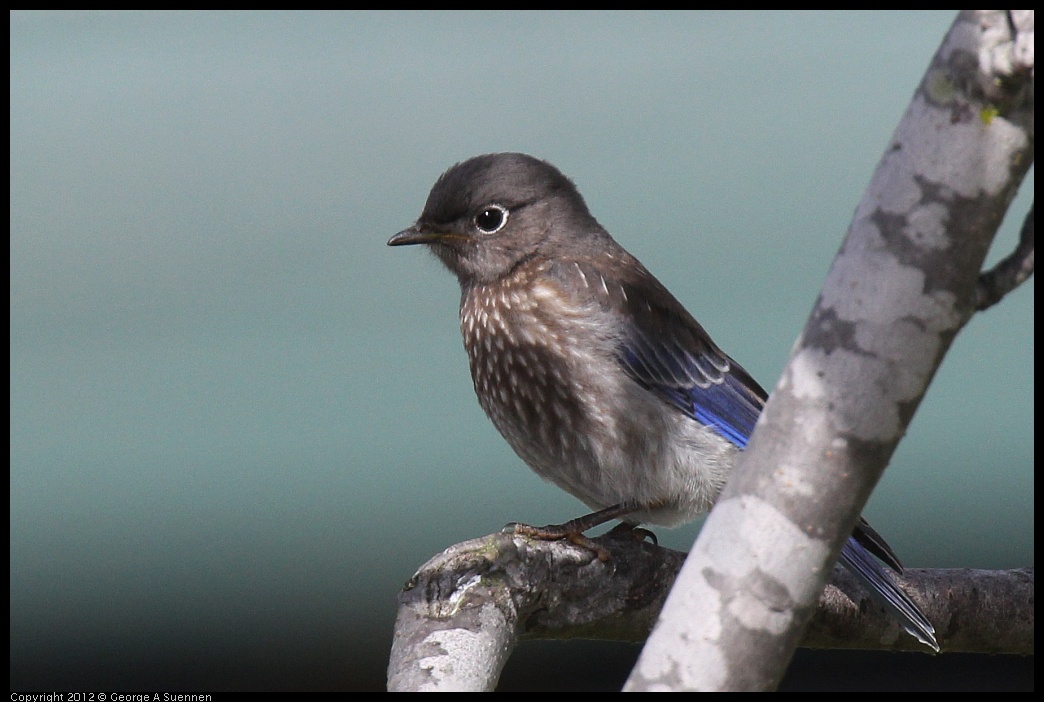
pixel 866 568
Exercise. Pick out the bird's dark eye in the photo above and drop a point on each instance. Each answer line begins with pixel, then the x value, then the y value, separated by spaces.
pixel 491 218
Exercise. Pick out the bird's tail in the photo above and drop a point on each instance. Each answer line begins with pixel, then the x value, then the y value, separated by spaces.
pixel 861 564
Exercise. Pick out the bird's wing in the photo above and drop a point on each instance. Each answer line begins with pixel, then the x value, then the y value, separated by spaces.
pixel 667 352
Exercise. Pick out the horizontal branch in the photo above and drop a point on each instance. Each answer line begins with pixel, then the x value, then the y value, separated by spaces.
pixel 462 613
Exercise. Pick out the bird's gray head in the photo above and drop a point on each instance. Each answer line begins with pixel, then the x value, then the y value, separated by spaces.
pixel 486 215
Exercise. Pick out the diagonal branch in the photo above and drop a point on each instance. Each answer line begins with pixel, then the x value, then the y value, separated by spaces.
pixel 900 289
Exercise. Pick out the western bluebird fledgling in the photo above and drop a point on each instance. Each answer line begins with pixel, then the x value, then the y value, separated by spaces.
pixel 595 374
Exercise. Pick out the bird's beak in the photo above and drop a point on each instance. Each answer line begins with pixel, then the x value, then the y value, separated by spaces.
pixel 413 235
pixel 418 235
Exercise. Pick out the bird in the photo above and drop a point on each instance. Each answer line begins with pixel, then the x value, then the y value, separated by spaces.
pixel 592 371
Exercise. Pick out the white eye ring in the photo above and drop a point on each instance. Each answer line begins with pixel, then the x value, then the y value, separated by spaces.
pixel 491 219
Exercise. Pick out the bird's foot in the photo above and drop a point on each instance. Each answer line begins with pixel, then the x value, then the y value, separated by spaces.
pixel 574 529
pixel 557 532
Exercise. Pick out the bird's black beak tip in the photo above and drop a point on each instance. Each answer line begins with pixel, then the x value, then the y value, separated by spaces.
pixel 406 237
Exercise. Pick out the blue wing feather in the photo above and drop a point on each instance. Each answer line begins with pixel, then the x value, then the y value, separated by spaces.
pixel 702 382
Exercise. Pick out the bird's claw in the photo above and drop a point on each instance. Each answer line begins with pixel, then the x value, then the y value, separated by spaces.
pixel 638 533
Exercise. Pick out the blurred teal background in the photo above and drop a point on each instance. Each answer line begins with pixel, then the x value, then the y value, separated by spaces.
pixel 239 421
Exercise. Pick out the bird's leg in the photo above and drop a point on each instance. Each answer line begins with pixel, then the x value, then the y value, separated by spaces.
pixel 574 529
